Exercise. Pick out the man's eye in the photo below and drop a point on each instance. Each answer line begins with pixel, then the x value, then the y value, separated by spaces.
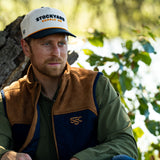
pixel 46 44
pixel 61 43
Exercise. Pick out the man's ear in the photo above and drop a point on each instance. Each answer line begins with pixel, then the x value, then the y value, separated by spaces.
pixel 26 48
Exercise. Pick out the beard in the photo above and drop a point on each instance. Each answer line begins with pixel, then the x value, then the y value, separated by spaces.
pixel 49 70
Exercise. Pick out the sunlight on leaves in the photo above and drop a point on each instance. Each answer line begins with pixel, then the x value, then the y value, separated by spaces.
pixel 138 133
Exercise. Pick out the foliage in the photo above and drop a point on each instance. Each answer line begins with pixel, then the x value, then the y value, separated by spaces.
pixel 113 16
pixel 125 79
pixel 151 151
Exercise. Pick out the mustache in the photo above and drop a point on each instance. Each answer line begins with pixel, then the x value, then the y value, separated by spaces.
pixel 54 60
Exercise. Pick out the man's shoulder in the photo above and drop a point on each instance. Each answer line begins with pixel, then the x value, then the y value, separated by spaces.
pixel 83 71
pixel 16 85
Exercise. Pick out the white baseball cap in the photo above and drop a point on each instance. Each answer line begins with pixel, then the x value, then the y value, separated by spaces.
pixel 44 21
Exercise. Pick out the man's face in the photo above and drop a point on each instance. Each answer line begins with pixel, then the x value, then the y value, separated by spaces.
pixel 48 55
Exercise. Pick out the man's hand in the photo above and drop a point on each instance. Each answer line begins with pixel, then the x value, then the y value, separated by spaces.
pixel 11 155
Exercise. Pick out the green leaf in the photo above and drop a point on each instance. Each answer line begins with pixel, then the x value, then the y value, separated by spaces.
pixel 143 107
pixel 129 45
pixel 156 146
pixel 96 41
pixel 157 96
pixel 116 57
pixel 156 106
pixel 147 46
pixel 143 56
pixel 152 35
pixel 87 51
pixel 145 26
pixel 134 67
pixel 96 69
pixel 105 73
pixel 149 155
pixel 94 59
pixel 126 82
pixel 153 127
pixel 114 81
pixel 97 38
pixel 80 65
pixel 138 133
pixel 106 59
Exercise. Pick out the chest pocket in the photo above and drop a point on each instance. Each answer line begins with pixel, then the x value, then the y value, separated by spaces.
pixel 75 132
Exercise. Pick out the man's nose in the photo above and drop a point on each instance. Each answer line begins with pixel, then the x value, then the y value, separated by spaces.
pixel 55 51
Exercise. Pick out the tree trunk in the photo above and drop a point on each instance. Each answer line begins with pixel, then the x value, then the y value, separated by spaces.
pixel 13 62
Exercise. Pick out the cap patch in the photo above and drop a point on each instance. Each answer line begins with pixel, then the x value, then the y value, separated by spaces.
pixel 50 16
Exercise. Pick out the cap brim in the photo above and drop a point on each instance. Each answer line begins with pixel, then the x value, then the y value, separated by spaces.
pixel 50 31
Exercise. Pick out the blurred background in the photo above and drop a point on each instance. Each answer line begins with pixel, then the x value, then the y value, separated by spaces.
pixel 121 39
pixel 114 17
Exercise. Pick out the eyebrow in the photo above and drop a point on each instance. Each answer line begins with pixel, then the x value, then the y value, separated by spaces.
pixel 50 39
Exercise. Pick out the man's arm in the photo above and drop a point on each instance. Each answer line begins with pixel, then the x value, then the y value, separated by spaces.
pixel 6 139
pixel 5 131
pixel 114 127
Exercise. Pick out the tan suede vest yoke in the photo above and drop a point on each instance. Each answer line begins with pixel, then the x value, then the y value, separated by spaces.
pixel 21 102
pixel 76 92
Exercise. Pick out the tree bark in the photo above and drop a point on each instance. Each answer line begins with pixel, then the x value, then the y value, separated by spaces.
pixel 13 62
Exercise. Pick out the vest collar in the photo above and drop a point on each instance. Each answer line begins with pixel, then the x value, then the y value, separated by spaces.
pixel 31 79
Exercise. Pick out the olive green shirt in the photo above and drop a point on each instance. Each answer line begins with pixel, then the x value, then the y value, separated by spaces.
pixel 114 128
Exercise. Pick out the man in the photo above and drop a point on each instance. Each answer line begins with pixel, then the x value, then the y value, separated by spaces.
pixel 57 111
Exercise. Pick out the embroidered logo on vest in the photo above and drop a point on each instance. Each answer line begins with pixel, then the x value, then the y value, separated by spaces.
pixel 76 120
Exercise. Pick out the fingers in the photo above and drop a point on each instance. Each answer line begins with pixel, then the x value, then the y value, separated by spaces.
pixel 11 155
pixel 28 157
pixel 23 156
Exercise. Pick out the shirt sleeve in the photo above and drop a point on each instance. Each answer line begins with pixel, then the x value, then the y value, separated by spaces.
pixel 5 131
pixel 114 127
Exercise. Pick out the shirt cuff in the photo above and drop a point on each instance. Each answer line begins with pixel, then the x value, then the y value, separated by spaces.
pixel 3 151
